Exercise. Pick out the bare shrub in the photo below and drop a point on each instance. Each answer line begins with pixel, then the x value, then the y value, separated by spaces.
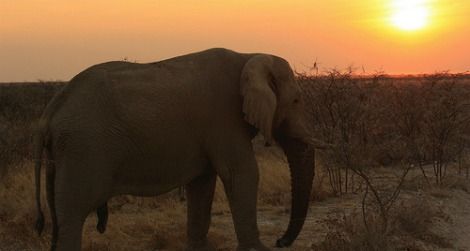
pixel 379 121
pixel 445 120
pixel 353 115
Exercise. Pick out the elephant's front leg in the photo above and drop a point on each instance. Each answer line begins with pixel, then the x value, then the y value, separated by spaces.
pixel 200 193
pixel 239 173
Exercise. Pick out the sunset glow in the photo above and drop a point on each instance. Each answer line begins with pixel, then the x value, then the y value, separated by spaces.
pixel 410 15
pixel 56 39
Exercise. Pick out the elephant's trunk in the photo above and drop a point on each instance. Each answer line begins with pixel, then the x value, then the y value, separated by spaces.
pixel 301 160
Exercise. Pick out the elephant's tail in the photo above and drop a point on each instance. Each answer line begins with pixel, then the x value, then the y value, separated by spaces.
pixel 38 148
pixel 41 142
pixel 41 138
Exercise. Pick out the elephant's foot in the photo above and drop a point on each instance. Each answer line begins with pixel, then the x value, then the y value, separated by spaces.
pixel 201 246
pixel 257 247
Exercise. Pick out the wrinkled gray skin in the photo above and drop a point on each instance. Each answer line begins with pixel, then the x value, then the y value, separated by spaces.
pixel 145 129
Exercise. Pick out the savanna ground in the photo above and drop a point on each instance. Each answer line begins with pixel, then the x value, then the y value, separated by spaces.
pixel 395 178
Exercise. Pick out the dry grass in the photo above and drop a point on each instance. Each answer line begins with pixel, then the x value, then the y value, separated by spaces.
pixel 411 228
pixel 457 182
pixel 347 233
pixel 17 210
pixel 415 217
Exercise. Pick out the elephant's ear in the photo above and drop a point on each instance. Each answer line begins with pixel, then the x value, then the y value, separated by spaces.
pixel 259 98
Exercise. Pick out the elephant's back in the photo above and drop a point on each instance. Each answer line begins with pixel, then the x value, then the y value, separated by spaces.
pixel 161 103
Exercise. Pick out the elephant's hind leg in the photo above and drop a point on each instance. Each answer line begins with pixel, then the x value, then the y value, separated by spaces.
pixel 200 193
pixel 72 208
pixel 69 232
pixel 78 192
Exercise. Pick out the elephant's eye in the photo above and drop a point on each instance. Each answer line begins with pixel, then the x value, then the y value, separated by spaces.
pixel 296 101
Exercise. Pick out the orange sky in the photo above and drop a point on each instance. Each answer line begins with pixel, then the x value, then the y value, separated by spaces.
pixel 56 39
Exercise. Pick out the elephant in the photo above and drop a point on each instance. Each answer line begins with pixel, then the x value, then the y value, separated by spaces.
pixel 145 129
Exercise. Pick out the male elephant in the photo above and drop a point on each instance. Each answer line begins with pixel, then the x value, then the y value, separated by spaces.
pixel 145 129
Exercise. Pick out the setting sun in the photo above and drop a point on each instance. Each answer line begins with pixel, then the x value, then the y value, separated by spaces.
pixel 410 15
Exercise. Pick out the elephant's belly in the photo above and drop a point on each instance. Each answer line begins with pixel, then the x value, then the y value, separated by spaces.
pixel 150 177
pixel 141 190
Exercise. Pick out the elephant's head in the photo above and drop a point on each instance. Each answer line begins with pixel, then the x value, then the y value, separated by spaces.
pixel 272 102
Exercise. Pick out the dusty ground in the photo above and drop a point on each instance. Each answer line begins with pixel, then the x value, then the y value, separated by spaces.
pixel 272 221
pixel 134 228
